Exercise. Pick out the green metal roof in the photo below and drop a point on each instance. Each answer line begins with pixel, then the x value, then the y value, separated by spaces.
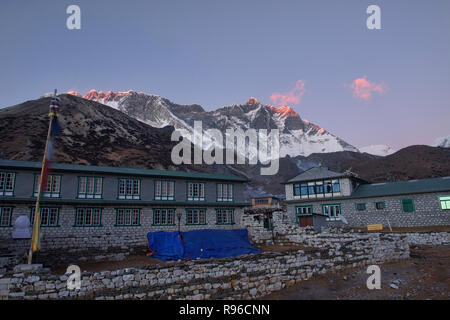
pixel 402 187
pixel 16 164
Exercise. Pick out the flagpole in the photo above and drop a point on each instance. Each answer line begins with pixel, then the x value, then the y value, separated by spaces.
pixel 35 239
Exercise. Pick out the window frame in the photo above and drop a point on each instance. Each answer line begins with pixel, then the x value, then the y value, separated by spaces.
pixel 375 205
pixel 233 218
pixel 308 206
pixel 32 209
pixel 360 203
pixel 10 216
pixel 131 224
pixel 329 218
pixel 447 203
pixel 167 224
pixel 316 188
pixel 3 190
pixel 133 196
pixel 76 225
pixel 228 198
pixel 192 198
pixel 45 193
pixel 199 220
pixel 94 194
pixel 405 201
pixel 172 198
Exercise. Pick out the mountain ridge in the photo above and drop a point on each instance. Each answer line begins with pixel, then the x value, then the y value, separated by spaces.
pixel 297 136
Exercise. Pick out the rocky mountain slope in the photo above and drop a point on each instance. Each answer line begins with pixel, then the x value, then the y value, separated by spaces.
pixel 92 134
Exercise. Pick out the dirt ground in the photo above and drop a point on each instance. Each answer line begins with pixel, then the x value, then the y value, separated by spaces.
pixel 143 261
pixel 425 275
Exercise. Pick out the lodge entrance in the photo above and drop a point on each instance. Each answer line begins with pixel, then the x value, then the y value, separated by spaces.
pixel 305 221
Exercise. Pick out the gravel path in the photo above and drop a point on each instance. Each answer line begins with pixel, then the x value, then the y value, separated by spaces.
pixel 426 275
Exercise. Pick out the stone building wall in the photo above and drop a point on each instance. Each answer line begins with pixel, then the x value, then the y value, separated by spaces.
pixel 107 240
pixel 427 211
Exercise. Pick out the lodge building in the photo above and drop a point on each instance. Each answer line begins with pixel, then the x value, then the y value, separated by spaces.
pixel 81 202
pixel 344 198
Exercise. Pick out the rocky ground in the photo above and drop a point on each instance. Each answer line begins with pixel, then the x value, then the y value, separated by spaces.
pixel 425 275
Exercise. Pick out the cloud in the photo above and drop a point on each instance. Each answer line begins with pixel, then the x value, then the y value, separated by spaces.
pixel 292 97
pixel 364 89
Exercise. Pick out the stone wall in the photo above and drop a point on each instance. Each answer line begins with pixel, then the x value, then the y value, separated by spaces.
pixel 245 277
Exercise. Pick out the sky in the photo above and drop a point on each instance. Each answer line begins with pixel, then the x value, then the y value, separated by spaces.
pixel 388 86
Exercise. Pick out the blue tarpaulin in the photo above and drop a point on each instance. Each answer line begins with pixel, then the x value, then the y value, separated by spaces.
pixel 203 244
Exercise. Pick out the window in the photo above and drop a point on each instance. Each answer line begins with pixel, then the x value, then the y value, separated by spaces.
pixel 7 183
pixel 51 189
pixel 408 205
pixel 225 216
pixel 164 190
pixel 129 189
pixel 196 216
pixel 261 201
pixel 304 189
pixel 90 187
pixel 360 207
pixel 128 217
pixel 445 203
pixel 297 190
pixel 49 216
pixel 304 210
pixel 333 211
pixel 319 187
pixel 336 186
pixel 5 216
pixel 311 188
pixel 380 205
pixel 163 217
pixel 196 191
pixel 224 192
pixel 328 186
pixel 88 217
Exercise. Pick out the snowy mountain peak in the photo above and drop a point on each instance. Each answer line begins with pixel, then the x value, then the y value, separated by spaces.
pixel 443 142
pixel 378 150
pixel 252 100
pixel 100 96
pixel 297 137
pixel 284 111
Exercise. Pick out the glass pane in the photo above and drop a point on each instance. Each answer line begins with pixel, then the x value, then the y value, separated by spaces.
pixel 171 189
pixel 82 185
pixel 98 185
pixel 2 181
pixel 80 217
pixel 9 182
pixel 219 191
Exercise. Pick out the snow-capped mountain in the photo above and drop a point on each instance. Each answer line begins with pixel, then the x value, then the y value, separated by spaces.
pixel 378 150
pixel 443 142
pixel 297 136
